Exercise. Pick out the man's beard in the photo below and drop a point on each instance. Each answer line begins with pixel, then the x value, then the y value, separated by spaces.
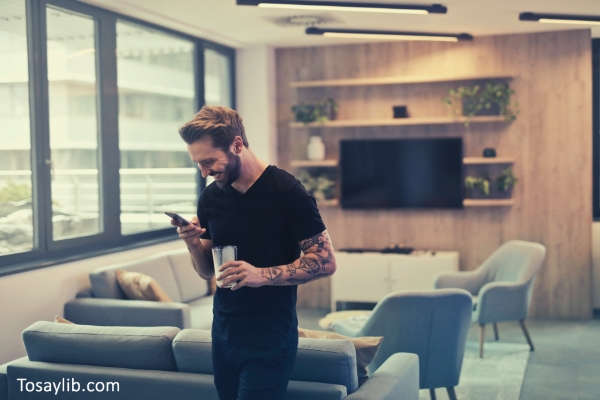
pixel 232 170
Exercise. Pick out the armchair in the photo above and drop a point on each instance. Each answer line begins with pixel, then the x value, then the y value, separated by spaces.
pixel 501 287
pixel 434 325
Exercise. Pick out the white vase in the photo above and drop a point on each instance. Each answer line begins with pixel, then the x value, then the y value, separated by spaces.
pixel 316 148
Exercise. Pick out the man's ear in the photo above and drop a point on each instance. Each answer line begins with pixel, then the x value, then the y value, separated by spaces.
pixel 237 144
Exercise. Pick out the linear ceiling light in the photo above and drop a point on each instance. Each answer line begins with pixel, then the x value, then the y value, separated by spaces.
pixel 387 35
pixel 560 18
pixel 348 6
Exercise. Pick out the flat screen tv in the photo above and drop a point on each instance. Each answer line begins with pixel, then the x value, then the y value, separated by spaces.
pixel 398 173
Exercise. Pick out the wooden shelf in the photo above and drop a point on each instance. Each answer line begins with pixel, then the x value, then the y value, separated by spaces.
pixel 328 203
pixel 309 163
pixel 488 202
pixel 393 80
pixel 487 160
pixel 347 123
pixel 466 203
pixel 466 161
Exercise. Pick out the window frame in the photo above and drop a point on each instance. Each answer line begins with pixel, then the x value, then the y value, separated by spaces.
pixel 596 128
pixel 45 251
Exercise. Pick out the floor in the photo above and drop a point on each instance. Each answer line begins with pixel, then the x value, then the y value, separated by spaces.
pixel 564 366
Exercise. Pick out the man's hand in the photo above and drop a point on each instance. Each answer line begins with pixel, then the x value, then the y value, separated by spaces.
pixel 242 274
pixel 190 233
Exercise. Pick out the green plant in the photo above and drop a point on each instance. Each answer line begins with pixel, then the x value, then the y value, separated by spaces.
pixel 14 192
pixel 506 180
pixel 489 99
pixel 320 186
pixel 321 111
pixel 474 183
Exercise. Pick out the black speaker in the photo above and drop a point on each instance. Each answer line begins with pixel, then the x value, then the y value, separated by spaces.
pixel 400 112
pixel 489 152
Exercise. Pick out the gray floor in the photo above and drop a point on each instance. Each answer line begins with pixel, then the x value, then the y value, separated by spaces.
pixel 565 363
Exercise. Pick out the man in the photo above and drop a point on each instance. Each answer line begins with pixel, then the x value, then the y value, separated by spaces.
pixel 282 242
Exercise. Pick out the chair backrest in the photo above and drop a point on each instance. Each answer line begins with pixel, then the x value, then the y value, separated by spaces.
pixel 515 261
pixel 432 324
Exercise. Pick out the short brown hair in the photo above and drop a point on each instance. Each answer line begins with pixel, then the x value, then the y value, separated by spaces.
pixel 222 124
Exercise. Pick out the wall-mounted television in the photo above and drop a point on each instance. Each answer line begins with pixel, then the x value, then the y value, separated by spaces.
pixel 401 173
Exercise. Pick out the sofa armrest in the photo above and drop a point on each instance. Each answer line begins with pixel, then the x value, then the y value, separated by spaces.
pixel 471 281
pixel 396 379
pixel 85 292
pixel 4 375
pixel 502 301
pixel 100 311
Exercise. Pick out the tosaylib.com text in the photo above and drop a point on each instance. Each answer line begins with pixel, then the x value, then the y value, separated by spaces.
pixel 66 385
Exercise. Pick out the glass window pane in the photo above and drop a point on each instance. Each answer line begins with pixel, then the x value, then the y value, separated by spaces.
pixel 156 96
pixel 16 210
pixel 73 124
pixel 217 79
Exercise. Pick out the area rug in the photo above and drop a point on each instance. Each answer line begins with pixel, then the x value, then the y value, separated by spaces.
pixel 498 376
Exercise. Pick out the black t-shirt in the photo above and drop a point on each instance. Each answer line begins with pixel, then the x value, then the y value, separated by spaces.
pixel 266 224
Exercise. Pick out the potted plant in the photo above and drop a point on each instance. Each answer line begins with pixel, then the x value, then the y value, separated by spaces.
pixel 324 110
pixel 477 187
pixel 492 98
pixel 305 113
pixel 319 186
pixel 329 108
pixel 505 182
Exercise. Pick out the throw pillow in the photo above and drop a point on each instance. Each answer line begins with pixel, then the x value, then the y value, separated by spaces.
pixel 138 286
pixel 62 320
pixel 366 348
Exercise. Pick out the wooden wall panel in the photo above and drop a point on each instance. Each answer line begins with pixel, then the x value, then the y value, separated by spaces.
pixel 551 142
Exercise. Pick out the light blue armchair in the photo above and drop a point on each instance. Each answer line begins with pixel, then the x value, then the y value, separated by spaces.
pixel 501 286
pixel 434 325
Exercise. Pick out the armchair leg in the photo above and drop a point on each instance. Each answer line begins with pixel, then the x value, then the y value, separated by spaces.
pixel 432 393
pixel 451 392
pixel 496 332
pixel 526 333
pixel 481 338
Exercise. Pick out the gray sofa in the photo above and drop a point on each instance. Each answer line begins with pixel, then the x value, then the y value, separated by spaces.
pixel 104 303
pixel 164 362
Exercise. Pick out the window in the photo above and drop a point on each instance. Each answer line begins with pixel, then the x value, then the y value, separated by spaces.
pixel 217 69
pixel 73 124
pixel 16 209
pixel 156 84
pixel 90 155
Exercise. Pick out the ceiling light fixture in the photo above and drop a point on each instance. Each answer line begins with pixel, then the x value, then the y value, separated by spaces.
pixel 387 35
pixel 347 6
pixel 560 18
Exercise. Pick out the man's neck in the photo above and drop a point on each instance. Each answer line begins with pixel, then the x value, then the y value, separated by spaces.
pixel 251 169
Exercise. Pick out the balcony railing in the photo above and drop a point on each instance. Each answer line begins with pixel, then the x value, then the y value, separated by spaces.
pixel 145 193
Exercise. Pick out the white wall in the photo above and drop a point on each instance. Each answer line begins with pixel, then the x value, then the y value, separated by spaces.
pixel 255 91
pixel 596 264
pixel 40 294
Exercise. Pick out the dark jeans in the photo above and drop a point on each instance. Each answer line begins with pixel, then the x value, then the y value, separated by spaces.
pixel 252 372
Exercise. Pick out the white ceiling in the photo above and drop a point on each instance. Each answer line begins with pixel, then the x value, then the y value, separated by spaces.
pixel 240 26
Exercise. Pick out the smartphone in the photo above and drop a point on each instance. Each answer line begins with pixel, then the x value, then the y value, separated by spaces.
pixel 179 220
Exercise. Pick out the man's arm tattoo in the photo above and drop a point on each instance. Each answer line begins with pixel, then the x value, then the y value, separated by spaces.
pixel 317 261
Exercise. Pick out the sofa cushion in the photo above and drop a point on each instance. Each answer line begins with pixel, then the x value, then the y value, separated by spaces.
pixel 104 281
pixel 192 349
pixel 191 285
pixel 326 361
pixel 365 347
pixel 108 346
pixel 318 360
pixel 201 312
